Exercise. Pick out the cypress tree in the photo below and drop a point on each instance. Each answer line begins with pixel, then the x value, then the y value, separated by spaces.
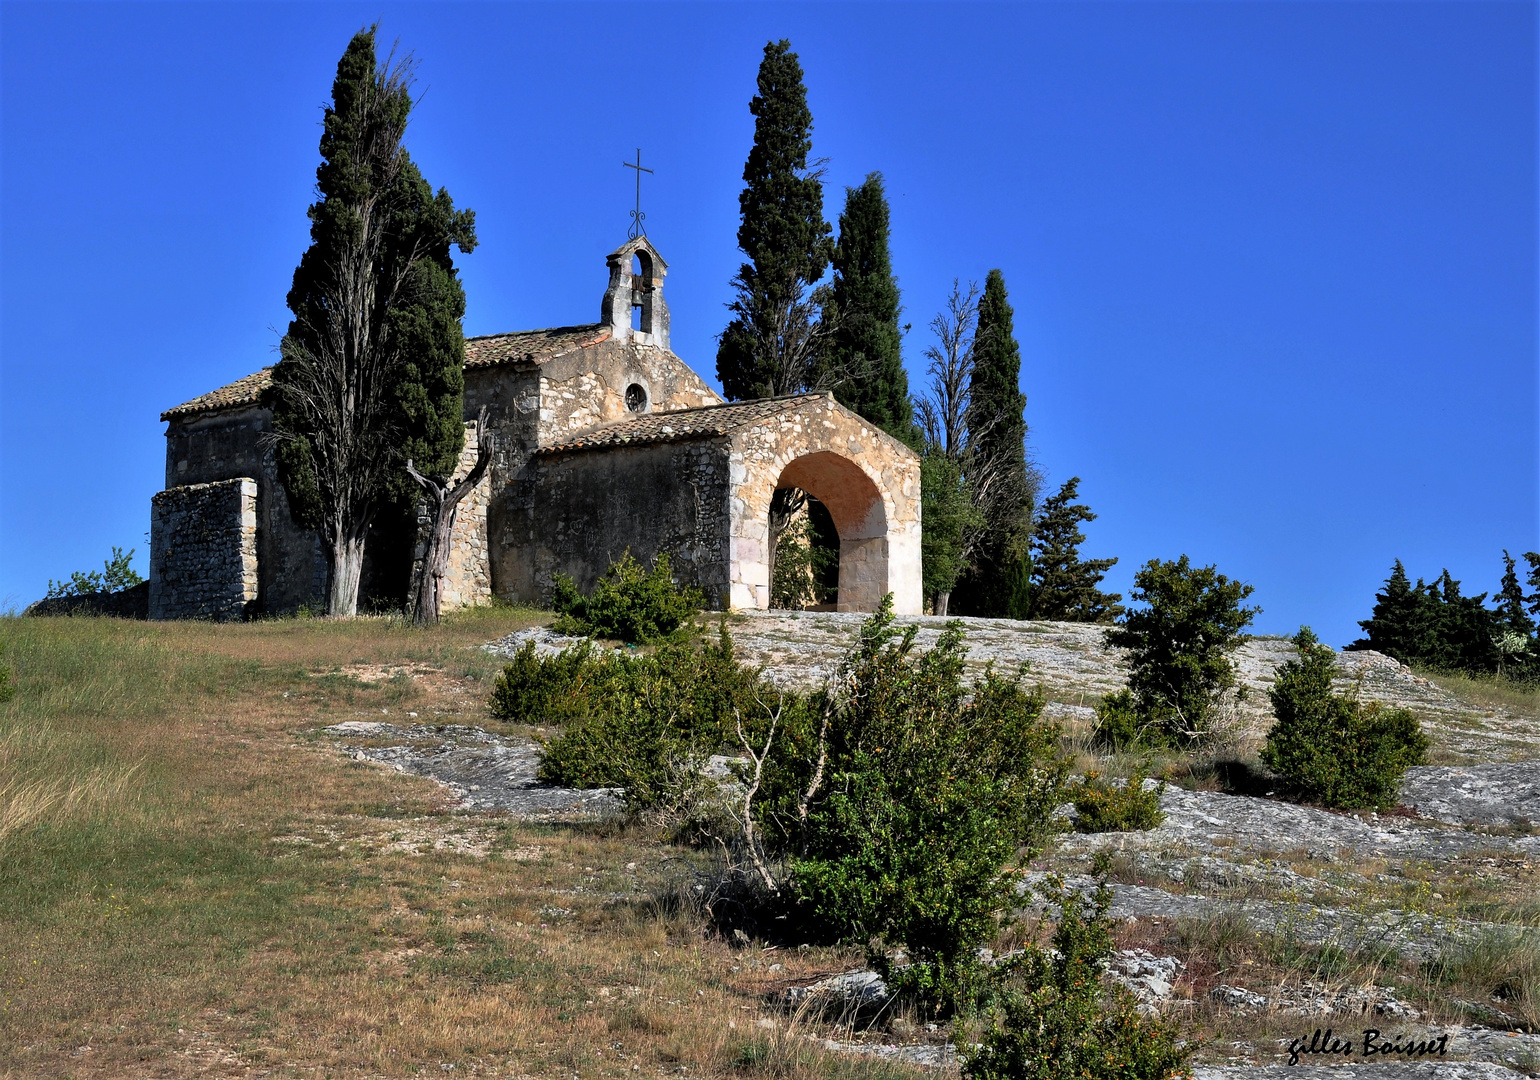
pixel 371 367
pixel 1532 601
pixel 768 345
pixel 862 362
pixel 997 430
pixel 1063 584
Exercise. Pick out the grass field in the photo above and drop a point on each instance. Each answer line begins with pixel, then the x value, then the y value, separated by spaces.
pixel 193 883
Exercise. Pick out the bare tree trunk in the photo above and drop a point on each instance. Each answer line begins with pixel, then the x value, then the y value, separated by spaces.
pixel 347 566
pixel 941 602
pixel 443 507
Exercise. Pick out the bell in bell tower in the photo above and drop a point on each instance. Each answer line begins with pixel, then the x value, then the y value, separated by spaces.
pixel 633 307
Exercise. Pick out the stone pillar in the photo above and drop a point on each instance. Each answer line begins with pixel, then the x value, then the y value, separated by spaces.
pixel 203 551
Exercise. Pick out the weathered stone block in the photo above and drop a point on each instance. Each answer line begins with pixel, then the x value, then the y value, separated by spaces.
pixel 203 551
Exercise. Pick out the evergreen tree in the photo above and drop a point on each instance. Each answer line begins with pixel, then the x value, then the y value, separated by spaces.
pixel 1511 613
pixel 1179 646
pixel 1064 585
pixel 862 361
pixel 773 336
pixel 997 431
pixel 948 515
pixel 1532 601
pixel 1463 629
pixel 371 367
pixel 1400 624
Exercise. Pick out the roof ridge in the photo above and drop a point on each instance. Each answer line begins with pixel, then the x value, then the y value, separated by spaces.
pixel 537 330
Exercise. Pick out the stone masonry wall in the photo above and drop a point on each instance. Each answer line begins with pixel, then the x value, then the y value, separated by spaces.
pixel 468 582
pixel 203 551
pixel 593 506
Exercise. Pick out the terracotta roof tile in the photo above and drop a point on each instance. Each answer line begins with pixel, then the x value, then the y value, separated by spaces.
pixel 241 392
pixel 530 346
pixel 680 424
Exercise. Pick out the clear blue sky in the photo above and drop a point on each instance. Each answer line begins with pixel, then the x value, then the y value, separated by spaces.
pixel 1273 265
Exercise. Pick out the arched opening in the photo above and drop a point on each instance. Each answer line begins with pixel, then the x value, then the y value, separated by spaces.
pixel 816 494
pixel 641 307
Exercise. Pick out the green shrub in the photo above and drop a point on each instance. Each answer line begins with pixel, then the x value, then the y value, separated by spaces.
pixel 802 567
pixel 1055 1018
pixel 644 723
pixel 924 797
pixel 116 574
pixel 1332 748
pixel 628 603
pixel 556 690
pixel 1103 807
pixel 1118 726
pixel 1179 668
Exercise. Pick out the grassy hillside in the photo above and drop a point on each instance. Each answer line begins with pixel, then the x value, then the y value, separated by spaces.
pixel 192 882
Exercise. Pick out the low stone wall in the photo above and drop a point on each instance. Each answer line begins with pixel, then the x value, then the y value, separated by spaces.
pixel 203 551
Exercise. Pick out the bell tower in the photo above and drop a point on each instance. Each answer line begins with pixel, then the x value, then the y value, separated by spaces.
pixel 633 307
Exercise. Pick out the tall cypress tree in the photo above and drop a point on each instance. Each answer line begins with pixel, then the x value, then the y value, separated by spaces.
pixel 997 430
pixel 1064 586
pixel 769 344
pixel 371 367
pixel 862 361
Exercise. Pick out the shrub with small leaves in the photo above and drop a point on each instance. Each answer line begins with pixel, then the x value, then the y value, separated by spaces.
pixel 1332 748
pixel 116 574
pixel 1118 725
pixel 1106 807
pixel 643 723
pixel 628 603
pixel 923 793
pixel 1055 1018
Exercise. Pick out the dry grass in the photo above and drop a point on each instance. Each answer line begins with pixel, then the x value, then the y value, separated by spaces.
pixel 1487 692
pixel 194 882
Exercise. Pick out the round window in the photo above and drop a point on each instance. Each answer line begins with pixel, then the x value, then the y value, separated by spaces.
pixel 636 397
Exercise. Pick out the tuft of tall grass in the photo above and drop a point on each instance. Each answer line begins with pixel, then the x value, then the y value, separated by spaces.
pixel 1501 966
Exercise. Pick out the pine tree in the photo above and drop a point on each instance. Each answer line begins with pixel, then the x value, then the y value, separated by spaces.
pixel 862 362
pixel 371 367
pixel 1399 626
pixel 997 431
pixel 1064 585
pixel 769 345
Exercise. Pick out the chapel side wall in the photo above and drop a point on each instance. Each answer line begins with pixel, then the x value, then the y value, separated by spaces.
pixel 212 447
pixel 592 506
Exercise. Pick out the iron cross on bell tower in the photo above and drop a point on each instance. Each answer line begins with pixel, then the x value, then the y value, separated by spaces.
pixel 637 217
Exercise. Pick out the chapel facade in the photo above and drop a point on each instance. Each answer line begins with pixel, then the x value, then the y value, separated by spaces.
pixel 606 442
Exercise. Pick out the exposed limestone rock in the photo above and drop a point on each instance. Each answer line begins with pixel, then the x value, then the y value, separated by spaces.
pixel 482 771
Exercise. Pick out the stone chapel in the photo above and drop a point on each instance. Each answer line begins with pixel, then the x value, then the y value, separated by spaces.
pixel 606 441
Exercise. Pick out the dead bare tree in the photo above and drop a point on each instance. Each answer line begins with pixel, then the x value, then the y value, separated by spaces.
pixel 944 407
pixel 443 507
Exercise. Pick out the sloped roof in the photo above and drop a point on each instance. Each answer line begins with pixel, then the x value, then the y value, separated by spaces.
pixel 531 346
pixel 490 350
pixel 681 424
pixel 241 392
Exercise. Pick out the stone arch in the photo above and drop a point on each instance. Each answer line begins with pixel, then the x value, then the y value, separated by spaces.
pixel 855 503
pixel 869 481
